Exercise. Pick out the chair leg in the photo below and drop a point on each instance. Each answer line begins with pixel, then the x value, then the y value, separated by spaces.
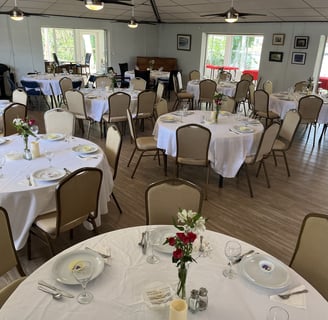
pixel 307 139
pixel 249 181
pixel 137 165
pixel 116 202
pixel 133 152
pixel 323 132
pixel 88 131
pixel 274 158
pixel 207 179
pixel 266 174
pixel 286 163
pixel 315 133
pixel 165 162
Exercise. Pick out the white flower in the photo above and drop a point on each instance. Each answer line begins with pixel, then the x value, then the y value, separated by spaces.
pixel 18 122
pixel 182 216
pixel 200 225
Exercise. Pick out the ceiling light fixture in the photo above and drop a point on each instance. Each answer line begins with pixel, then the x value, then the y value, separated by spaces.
pixel 16 14
pixel 94 5
pixel 133 23
pixel 231 17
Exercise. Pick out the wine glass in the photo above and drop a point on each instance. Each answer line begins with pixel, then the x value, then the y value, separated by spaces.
pixel 277 313
pixel 49 155
pixel 82 272
pixel 2 164
pixel 185 108
pixel 35 129
pixel 151 240
pixel 232 251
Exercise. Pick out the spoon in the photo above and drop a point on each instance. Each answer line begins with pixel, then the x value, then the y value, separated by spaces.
pixel 242 256
pixel 55 295
pixel 287 295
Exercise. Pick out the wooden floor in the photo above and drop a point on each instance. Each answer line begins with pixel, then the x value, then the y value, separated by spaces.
pixel 271 220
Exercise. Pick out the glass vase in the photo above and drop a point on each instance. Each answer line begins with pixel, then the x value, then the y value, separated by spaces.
pixel 182 274
pixel 27 152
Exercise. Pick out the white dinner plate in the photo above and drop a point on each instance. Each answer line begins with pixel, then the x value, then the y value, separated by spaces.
pixel 85 148
pixel 91 96
pixel 3 140
pixel 48 174
pixel 53 136
pixel 244 129
pixel 168 119
pixel 265 271
pixel 62 268
pixel 159 235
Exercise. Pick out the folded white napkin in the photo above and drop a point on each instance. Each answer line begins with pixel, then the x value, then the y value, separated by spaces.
pixel 297 300
pixel 102 248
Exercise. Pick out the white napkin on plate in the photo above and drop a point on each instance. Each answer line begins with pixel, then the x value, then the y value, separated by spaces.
pixel 102 248
pixel 297 300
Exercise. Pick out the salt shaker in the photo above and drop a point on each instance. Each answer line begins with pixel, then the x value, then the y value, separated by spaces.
pixel 193 301
pixel 203 299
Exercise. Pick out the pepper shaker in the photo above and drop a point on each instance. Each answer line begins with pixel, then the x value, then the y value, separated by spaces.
pixel 203 299
pixel 193 302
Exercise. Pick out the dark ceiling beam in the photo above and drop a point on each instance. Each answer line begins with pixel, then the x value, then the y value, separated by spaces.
pixel 155 10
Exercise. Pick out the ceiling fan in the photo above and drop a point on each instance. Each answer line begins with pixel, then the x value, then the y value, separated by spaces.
pixel 17 14
pixel 232 15
pixel 99 4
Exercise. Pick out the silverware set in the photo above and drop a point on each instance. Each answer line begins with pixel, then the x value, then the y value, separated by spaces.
pixel 56 293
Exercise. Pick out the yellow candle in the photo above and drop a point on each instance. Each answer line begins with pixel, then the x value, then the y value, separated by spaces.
pixel 35 149
pixel 178 310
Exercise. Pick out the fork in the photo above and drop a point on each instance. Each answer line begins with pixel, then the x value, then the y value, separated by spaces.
pixel 287 295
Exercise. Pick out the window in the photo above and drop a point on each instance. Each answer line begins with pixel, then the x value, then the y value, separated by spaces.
pixel 242 51
pixel 71 45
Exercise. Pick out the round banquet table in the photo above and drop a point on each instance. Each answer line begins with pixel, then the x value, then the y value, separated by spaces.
pixel 154 74
pixel 228 149
pixel 45 79
pixel 118 290
pixel 96 101
pixel 23 202
pixel 281 103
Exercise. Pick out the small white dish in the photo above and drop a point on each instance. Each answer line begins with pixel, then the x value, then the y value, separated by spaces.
pixel 85 148
pixel 53 136
pixel 168 118
pixel 244 129
pixel 48 174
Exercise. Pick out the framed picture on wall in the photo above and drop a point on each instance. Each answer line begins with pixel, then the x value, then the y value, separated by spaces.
pixel 301 42
pixel 298 57
pixel 184 42
pixel 276 56
pixel 278 39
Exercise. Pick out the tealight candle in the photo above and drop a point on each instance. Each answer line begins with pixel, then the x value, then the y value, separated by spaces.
pixel 178 310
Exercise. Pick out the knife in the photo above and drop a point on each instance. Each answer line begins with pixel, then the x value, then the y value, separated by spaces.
pixel 242 256
pixel 143 242
pixel 48 285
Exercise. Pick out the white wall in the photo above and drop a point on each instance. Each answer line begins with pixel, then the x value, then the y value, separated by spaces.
pixel 21 44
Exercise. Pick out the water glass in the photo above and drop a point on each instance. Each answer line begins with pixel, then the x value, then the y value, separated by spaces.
pixel 232 251
pixel 82 272
pixel 277 313
pixel 49 155
pixel 152 259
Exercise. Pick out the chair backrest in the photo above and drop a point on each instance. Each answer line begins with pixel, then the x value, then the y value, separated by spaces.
pixel 19 96
pixel 225 76
pixel 228 104
pixel 56 60
pixel 65 84
pixel 246 76
pixel 175 84
pixel 161 108
pixel 11 112
pixel 143 74
pixel 123 68
pixel 165 198
pixel 87 59
pixel 193 141
pixel 309 108
pixel 132 128
pixel 179 78
pixel 194 75
pixel 251 91
pixel 75 103
pixel 207 89
pixel 77 84
pixel 289 126
pixel 299 86
pixel 242 88
pixel 8 253
pixel 309 258
pixel 138 84
pixel 261 101
pixel 159 91
pixel 103 81
pixel 267 140
pixel 267 86
pixel 30 86
pixel 60 121
pixel 113 147
pixel 146 102
pixel 77 198
pixel 118 102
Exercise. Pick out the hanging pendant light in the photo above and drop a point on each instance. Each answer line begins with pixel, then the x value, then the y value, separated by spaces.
pixel 16 14
pixel 231 17
pixel 133 23
pixel 93 5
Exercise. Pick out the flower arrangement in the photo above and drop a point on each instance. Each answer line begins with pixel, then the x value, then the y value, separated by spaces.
pixel 218 97
pixel 189 224
pixel 151 64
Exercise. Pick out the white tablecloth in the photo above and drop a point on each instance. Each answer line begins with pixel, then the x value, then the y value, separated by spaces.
pixel 280 103
pixel 46 79
pixel 154 74
pixel 118 291
pixel 227 150
pixel 24 202
pixel 97 105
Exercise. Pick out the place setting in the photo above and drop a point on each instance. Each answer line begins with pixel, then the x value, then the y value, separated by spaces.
pixel 86 151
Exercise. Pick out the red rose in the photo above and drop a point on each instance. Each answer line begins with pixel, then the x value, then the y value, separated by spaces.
pixel 191 236
pixel 183 237
pixel 177 254
pixel 171 241
pixel 31 122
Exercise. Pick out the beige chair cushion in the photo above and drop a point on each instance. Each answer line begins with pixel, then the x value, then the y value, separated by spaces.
pixel 185 95
pixel 146 143
pixel 47 223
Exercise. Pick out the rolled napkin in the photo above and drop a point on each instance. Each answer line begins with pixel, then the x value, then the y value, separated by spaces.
pixel 297 300
pixel 178 310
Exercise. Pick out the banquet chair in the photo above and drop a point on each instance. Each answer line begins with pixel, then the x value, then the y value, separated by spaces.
pixel 161 108
pixel 60 121
pixel 240 96
pixel 267 87
pixel 77 197
pixel 144 74
pixel 309 108
pixel 33 89
pixel 308 259
pixel 76 105
pixel 181 95
pixel 263 151
pixel 286 136
pixel 65 85
pixel 9 258
pixel 207 89
pixel 125 81
pixel 143 144
pixel 86 65
pixel 113 150
pixel 145 107
pixel 19 96
pixel 103 82
pixel 168 84
pixel 193 142
pixel 194 75
pixel 11 112
pixel 159 92
pixel 165 198
pixel 225 76
pixel 228 104
pixel 138 84
pixel 299 86
pixel 118 103
pixel 246 76
pixel 250 98
pixel 261 107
